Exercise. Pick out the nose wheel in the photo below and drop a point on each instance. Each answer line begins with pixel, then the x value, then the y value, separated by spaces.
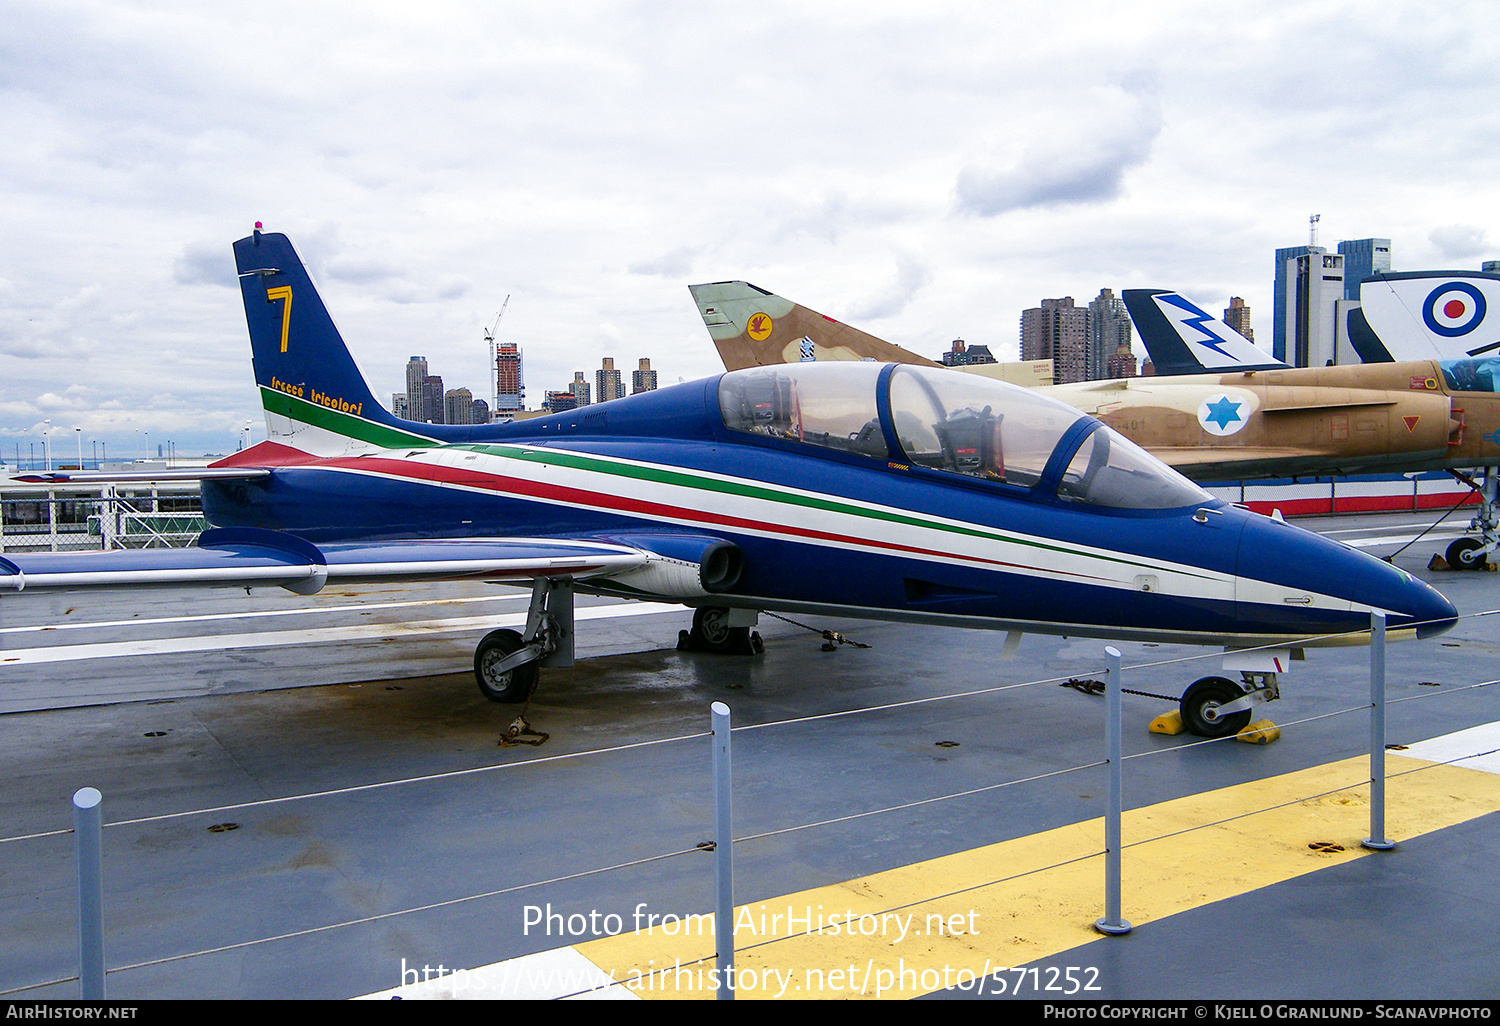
pixel 1214 707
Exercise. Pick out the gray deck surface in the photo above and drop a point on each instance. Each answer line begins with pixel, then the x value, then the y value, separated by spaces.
pixel 242 721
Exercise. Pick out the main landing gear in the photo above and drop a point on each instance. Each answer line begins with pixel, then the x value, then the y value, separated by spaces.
pixel 722 631
pixel 507 664
pixel 1474 553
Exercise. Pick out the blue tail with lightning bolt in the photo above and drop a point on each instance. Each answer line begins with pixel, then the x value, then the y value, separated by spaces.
pixel 1183 339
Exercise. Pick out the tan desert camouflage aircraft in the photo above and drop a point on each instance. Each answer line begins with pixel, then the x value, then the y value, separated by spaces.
pixel 1210 427
pixel 1226 426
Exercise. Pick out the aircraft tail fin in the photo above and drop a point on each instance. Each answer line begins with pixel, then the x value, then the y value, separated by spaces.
pixel 315 398
pixel 1424 315
pixel 1367 345
pixel 753 328
pixel 1182 339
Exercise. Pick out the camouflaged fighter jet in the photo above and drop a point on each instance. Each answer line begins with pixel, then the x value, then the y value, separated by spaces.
pixel 1230 427
pixel 1431 344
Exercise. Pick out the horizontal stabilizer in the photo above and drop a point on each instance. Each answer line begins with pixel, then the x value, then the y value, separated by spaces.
pixel 140 476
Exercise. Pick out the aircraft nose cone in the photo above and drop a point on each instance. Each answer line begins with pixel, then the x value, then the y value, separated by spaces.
pixel 1291 557
pixel 1407 602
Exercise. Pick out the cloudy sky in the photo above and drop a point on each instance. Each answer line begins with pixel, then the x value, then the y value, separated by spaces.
pixel 924 170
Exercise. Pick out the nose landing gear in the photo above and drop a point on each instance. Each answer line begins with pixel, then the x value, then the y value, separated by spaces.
pixel 1218 707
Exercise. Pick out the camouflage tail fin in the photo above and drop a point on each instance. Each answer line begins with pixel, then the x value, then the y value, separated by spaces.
pixel 754 328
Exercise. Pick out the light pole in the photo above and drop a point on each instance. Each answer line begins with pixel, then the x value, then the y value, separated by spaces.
pixel 78 432
pixel 47 443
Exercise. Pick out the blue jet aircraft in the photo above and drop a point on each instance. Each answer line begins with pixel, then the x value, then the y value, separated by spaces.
pixel 868 490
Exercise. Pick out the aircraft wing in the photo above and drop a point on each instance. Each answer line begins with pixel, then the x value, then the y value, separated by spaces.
pixel 670 566
pixel 249 556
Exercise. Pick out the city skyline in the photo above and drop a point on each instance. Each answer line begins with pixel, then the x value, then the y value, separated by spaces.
pixel 945 166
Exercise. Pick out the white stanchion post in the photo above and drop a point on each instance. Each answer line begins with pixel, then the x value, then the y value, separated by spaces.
pixel 1112 923
pixel 723 853
pixel 88 830
pixel 1377 839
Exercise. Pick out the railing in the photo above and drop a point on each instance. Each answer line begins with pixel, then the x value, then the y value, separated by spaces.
pixel 54 520
pixel 704 956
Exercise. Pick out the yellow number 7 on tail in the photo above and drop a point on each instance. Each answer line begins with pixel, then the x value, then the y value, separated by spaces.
pixel 282 292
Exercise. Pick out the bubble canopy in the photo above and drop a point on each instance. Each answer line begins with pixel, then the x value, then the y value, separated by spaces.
pixel 953 423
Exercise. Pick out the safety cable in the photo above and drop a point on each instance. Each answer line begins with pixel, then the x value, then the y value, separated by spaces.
pixel 1473 488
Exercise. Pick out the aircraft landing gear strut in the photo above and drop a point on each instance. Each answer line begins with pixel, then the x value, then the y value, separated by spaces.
pixel 507 664
pixel 1474 553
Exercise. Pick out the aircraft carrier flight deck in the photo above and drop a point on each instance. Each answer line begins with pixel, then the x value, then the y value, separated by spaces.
pixel 923 823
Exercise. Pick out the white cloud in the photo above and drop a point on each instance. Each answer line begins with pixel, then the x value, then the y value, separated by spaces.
pixel 1083 160
pixel 1459 242
pixel 937 167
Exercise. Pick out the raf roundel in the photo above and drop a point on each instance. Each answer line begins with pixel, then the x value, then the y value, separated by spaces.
pixel 1454 308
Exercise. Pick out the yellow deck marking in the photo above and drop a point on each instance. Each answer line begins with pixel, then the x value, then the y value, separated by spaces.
pixel 1028 917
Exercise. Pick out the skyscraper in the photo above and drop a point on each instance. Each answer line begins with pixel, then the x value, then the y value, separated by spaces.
pixel 1108 331
pixel 1056 331
pixel 432 399
pixel 580 389
pixel 458 406
pixel 1237 316
pixel 510 383
pixel 643 379
pixel 416 386
pixel 1278 299
pixel 1315 285
pixel 607 381
pixel 1362 258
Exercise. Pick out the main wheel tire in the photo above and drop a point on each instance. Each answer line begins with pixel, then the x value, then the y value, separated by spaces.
pixel 712 633
pixel 1200 708
pixel 513 685
pixel 1465 554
